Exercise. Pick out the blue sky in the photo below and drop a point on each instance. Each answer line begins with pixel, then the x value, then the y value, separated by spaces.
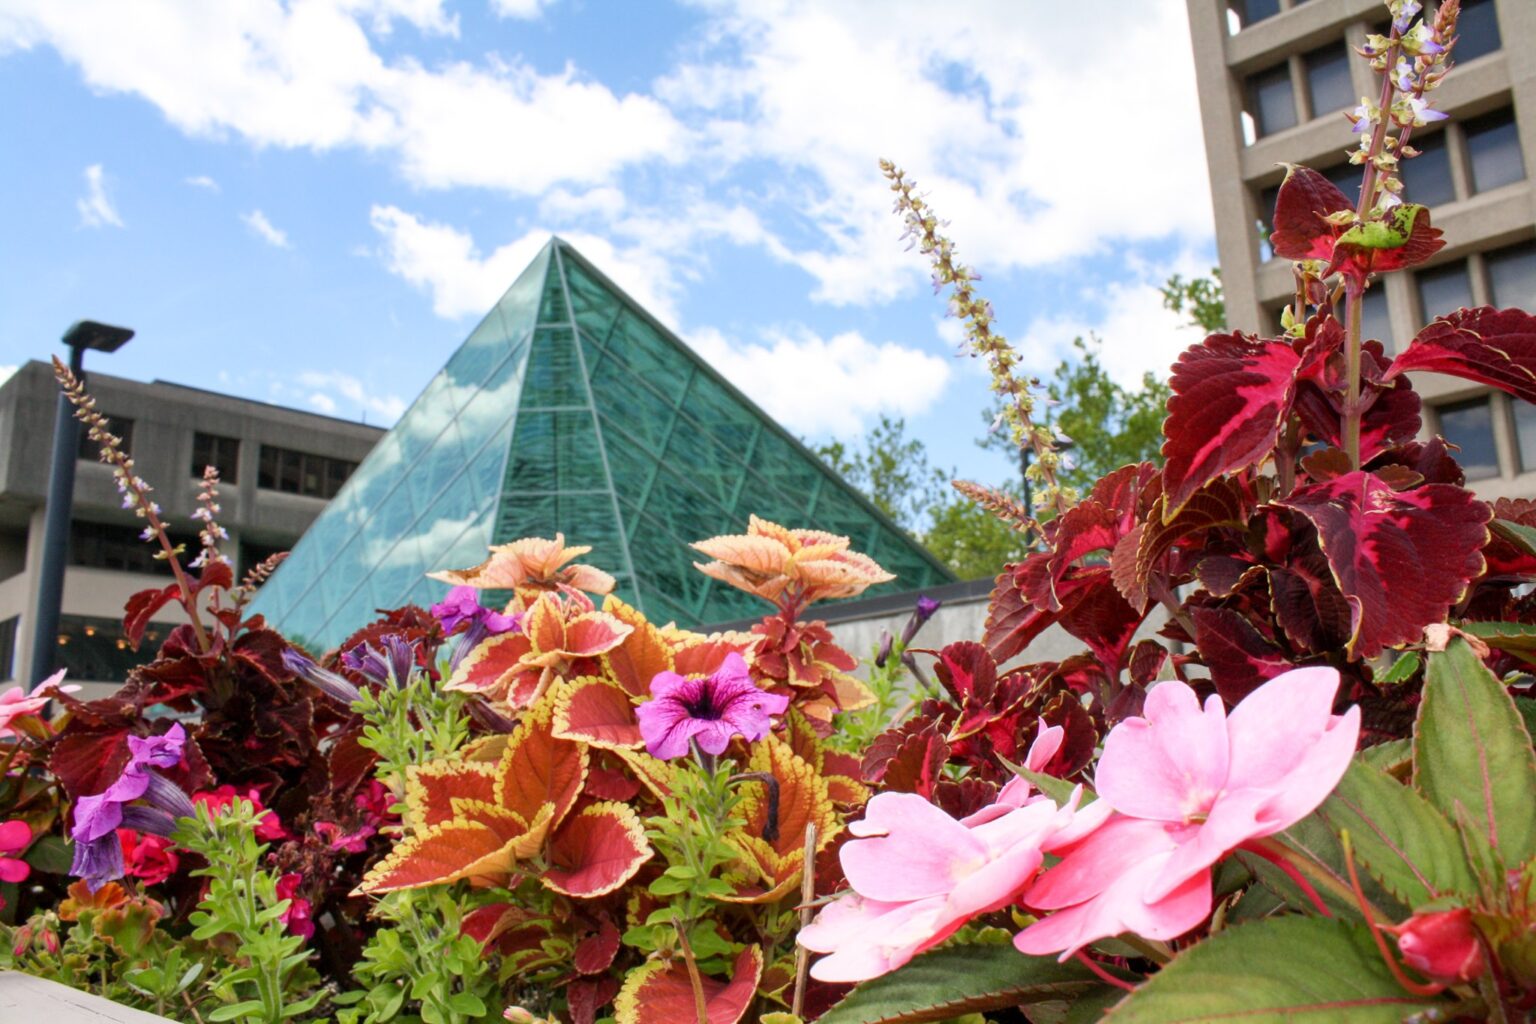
pixel 312 202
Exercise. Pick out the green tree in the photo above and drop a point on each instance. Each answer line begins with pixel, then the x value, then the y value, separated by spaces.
pixel 972 541
pixel 1199 299
pixel 893 471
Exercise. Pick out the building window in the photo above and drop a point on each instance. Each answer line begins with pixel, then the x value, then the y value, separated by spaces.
pixel 1328 84
pixel 317 476
pixel 1525 433
pixel 8 648
pixel 1477 30
pixel 120 548
pixel 1493 151
pixel 1469 426
pixel 1427 177
pixel 1444 290
pixel 95 650
pixel 1271 101
pixel 1512 276
pixel 1249 11
pixel 1375 321
pixel 252 555
pixel 222 453
pixel 119 425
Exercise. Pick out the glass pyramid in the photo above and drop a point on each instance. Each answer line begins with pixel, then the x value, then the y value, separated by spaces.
pixel 570 409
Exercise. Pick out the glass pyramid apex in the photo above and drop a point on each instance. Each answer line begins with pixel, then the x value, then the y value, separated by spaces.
pixel 570 409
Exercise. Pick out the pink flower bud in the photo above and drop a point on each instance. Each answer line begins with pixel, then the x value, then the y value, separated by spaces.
pixel 1442 944
pixel 51 941
pixel 23 940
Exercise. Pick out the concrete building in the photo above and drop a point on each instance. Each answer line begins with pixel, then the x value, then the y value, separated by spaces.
pixel 280 468
pixel 1274 76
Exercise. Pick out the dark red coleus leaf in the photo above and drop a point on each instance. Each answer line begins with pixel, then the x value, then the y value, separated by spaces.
pixel 1403 238
pixel 1430 459
pixel 1096 613
pixel 1307 604
pixel 1490 346
pixel 141 607
pixel 909 759
pixel 594 954
pixel 1080 735
pixel 967 671
pixel 1238 656
pixel 1391 414
pixel 596 851
pixel 1301 229
pixel 1400 559
pixel 216 574
pixel 586 996
pixel 1503 555
pixel 661 993
pixel 1231 395
pixel 1081 530
pixel 1224 501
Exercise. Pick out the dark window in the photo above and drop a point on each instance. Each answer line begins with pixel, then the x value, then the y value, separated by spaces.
pixel 111 546
pixel 1512 277
pixel 1525 433
pixel 1493 149
pixel 8 648
pixel 95 650
pixel 252 555
pixel 1444 290
pixel 1328 84
pixel 1346 178
pixel 1250 11
pixel 1477 30
pixel 317 476
pixel 119 425
pixel 222 453
pixel 1469 426
pixel 1427 177
pixel 1375 322
pixel 1272 104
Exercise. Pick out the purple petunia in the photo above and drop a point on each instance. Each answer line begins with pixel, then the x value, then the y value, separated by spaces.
pixel 98 854
pixel 390 662
pixel 710 710
pixel 463 605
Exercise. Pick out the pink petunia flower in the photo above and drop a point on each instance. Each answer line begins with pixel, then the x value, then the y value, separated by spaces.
pixel 711 710
pixel 18 703
pixel 1188 786
pixel 15 836
pixel 918 875
pixel 339 841
pixel 297 916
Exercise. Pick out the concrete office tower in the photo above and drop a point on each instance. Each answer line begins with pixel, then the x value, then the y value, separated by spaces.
pixel 1274 77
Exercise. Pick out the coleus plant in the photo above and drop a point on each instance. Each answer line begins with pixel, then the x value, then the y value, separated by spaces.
pixel 1299 519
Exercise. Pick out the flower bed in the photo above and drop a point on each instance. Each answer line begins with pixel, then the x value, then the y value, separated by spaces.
pixel 1307 797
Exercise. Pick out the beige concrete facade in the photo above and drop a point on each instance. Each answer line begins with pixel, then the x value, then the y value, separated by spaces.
pixel 1228 55
pixel 166 419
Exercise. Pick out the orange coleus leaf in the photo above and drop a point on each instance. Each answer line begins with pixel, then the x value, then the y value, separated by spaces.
pixel 660 992
pixel 789 566
pixel 700 655
pixel 538 768
pixel 595 711
pixel 841 771
pixel 497 667
pixel 529 566
pixel 596 851
pixel 431 789
pixel 640 655
pixel 803 799
pixel 656 775
pixel 450 851
pixel 562 631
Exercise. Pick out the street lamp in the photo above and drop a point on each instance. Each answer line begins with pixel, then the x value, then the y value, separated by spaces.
pixel 85 334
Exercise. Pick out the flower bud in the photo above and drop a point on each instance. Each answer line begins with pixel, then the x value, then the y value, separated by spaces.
pixel 23 940
pixel 1441 944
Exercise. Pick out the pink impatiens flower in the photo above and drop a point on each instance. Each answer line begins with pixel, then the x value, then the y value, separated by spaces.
pixel 710 710
pixel 1188 786
pixel 918 875
pixel 15 836
pixel 18 703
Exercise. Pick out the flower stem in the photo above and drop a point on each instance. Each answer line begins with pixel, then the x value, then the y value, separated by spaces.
pixel 1370 923
pixel 1354 297
pixel 1101 973
pixel 700 1007
pixel 807 896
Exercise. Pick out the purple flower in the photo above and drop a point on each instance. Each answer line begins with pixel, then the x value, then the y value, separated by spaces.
pixel 711 710
pixel 324 680
pixel 463 605
pixel 392 664
pixel 98 854
pixel 926 606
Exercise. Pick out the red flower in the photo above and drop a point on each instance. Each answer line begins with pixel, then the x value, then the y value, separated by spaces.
pixel 269 828
pixel 352 842
pixel 149 858
pixel 1441 944
pixel 296 917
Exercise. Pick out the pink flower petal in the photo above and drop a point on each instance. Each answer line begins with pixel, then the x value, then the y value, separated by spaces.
pixel 911 850
pixel 14 836
pixel 1273 724
pixel 14 870
pixel 1169 764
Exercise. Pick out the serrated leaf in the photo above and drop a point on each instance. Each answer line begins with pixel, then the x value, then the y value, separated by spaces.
pixel 1471 748
pixel 1487 345
pixel 1290 969
pixel 1517 638
pixel 957 980
pixel 1400 837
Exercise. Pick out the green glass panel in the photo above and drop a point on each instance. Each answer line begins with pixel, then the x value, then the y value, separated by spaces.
pixel 554 377
pixel 588 519
pixel 552 307
pixel 482 352
pixel 531 465
pixel 594 305
pixel 647 354
pixel 665 563
pixel 689 516
pixel 518 305
pixel 577 455
pixel 719 412
pixel 784 471
pixel 710 468
pixel 591 352
pixel 525 515
pixel 424 420
pixel 495 402
pixel 838 512
pixel 634 408
pixel 482 477
pixel 398 571
pixel 630 465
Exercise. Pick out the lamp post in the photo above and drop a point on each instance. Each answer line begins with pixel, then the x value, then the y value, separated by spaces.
pixel 86 334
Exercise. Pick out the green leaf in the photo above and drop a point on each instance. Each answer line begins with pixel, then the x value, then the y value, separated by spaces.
pixel 466 1003
pixel 1403 669
pixel 51 854
pixel 1389 756
pixel 1470 748
pixel 1523 537
pixel 1527 708
pixel 956 980
pixel 1398 836
pixel 1291 969
pixel 1517 638
pixel 235 1010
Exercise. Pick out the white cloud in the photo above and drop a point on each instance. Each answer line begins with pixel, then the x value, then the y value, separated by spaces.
pixel 266 230
pixel 604 203
pixel 5 373
pixel 464 282
pixel 307 75
pixel 202 181
pixel 325 387
pixel 834 385
pixel 525 9
pixel 96 209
